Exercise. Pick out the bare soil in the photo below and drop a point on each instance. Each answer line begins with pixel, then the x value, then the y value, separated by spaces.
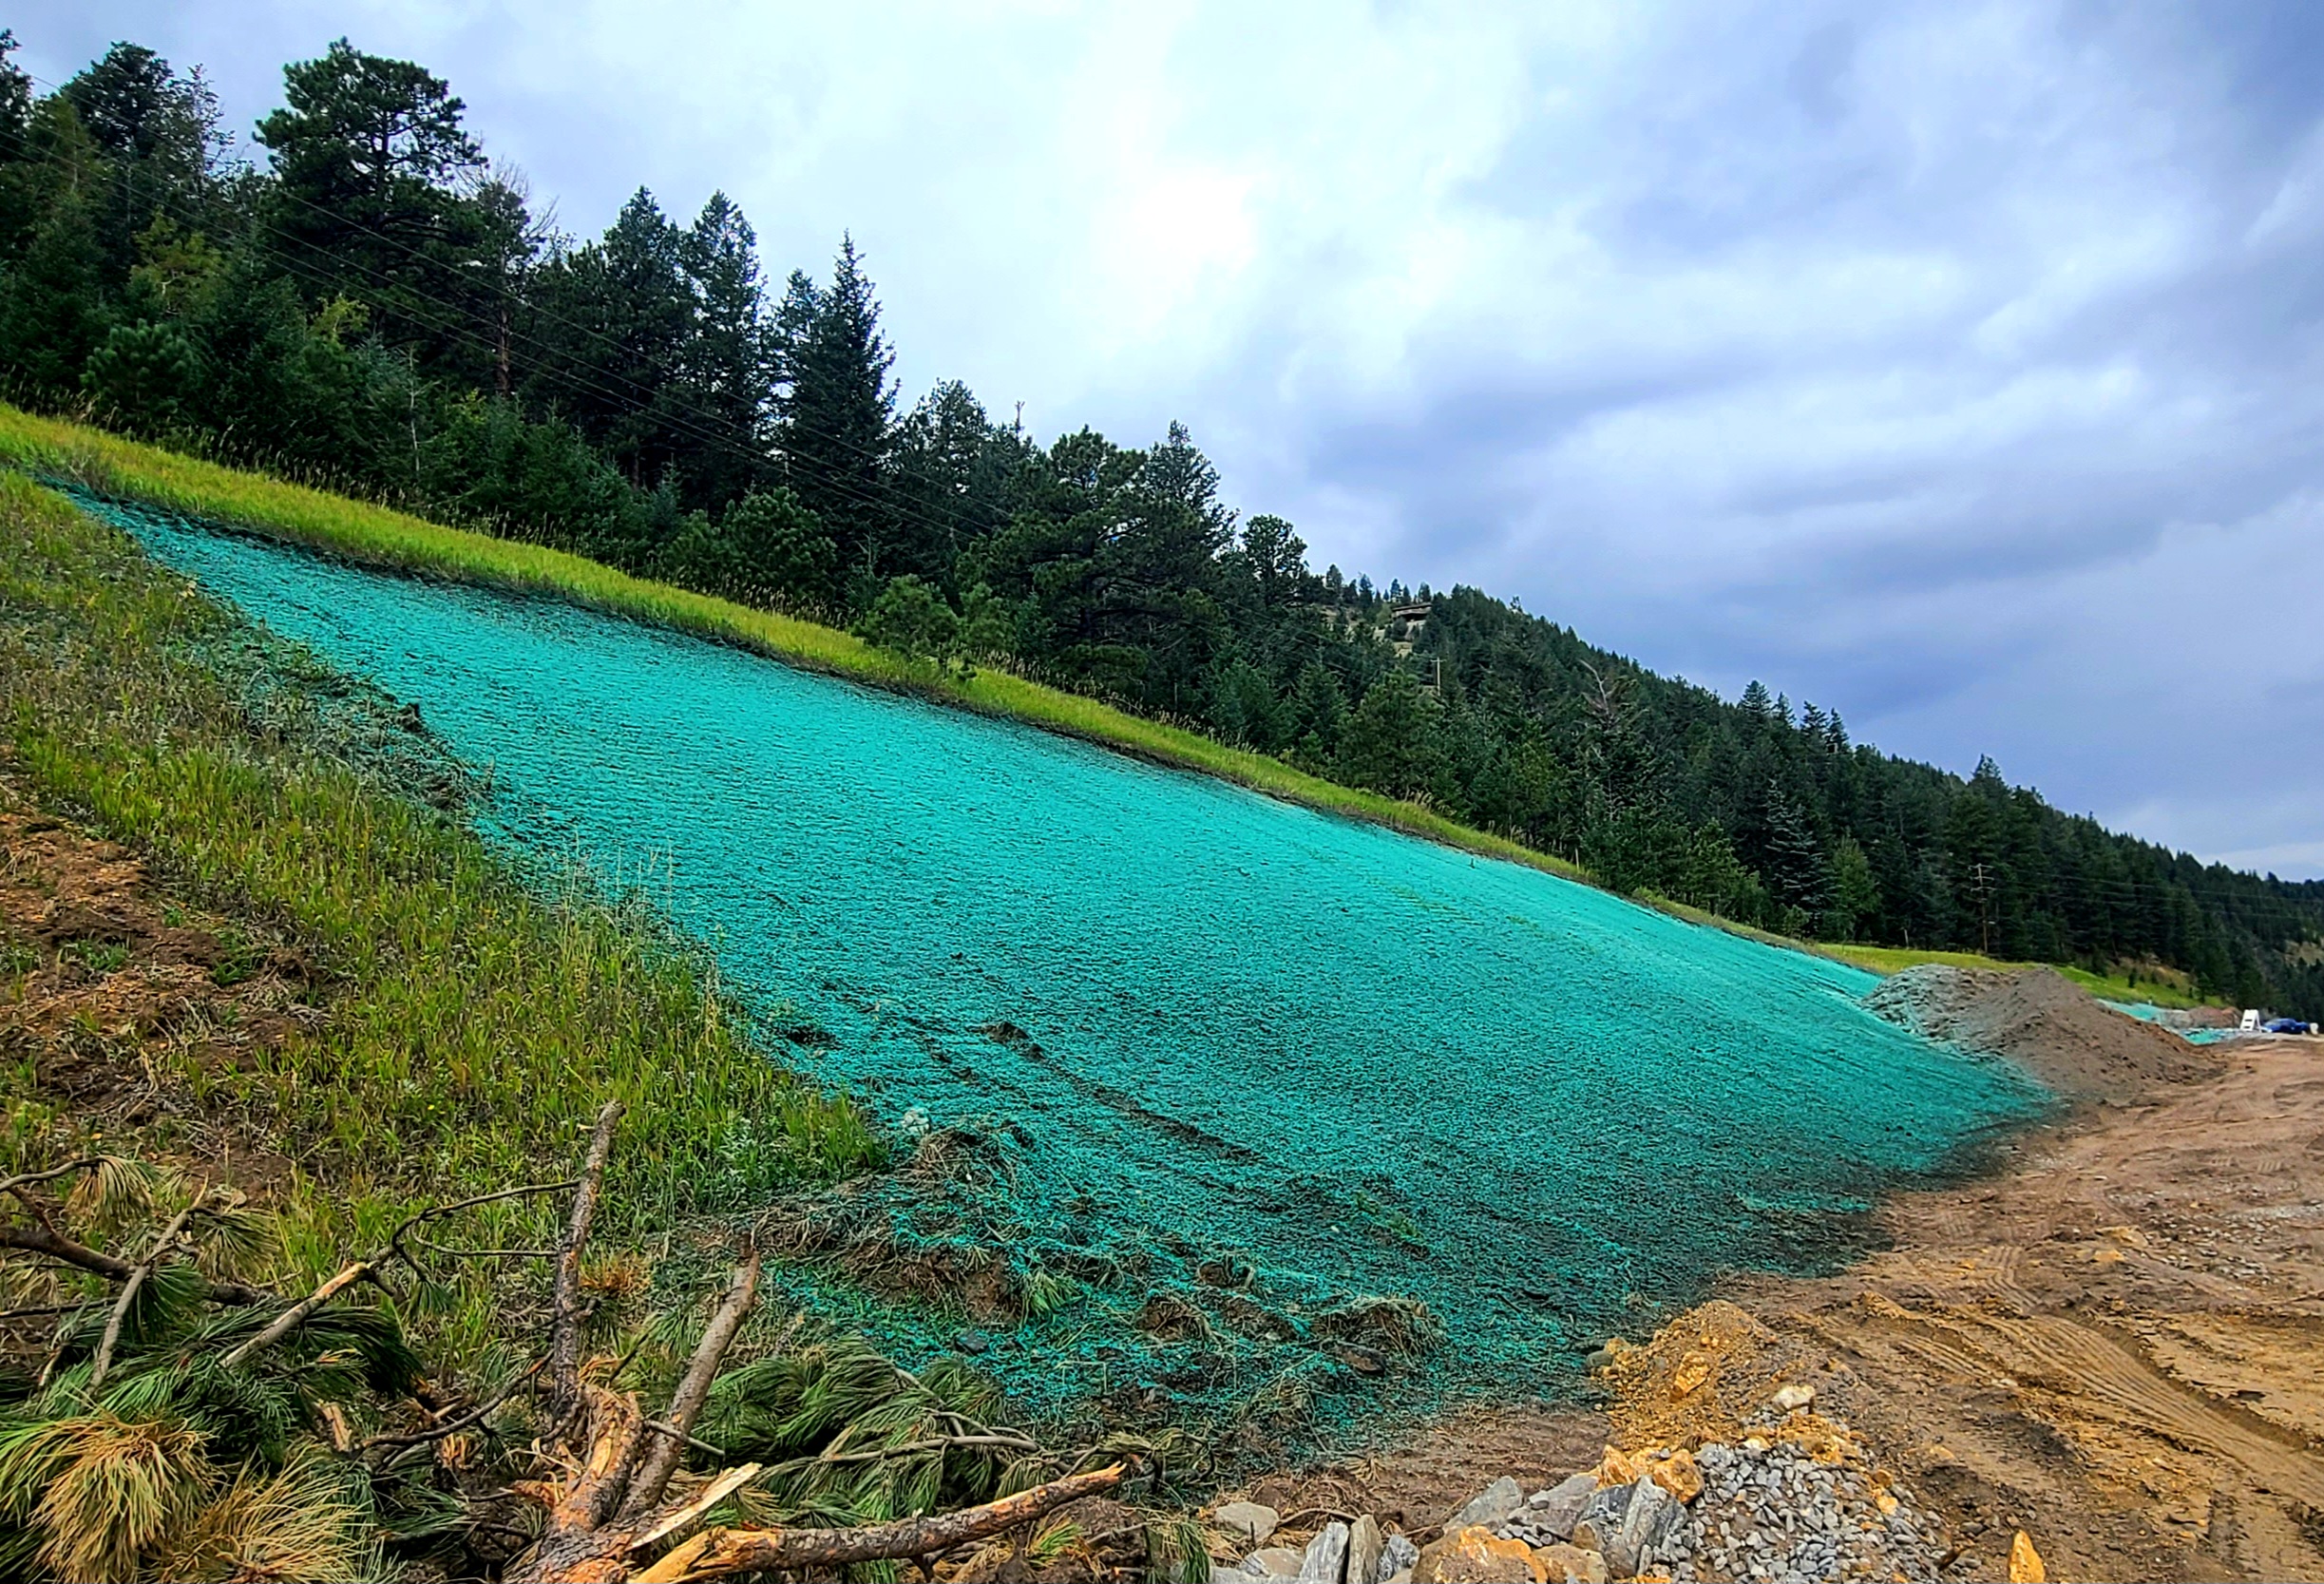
pixel 2043 1022
pixel 131 1011
pixel 2118 1344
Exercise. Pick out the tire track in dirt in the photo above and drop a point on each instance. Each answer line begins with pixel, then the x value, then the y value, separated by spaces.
pixel 2119 1343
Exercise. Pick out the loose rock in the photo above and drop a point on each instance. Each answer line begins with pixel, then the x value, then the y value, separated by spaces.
pixel 1553 1511
pixel 1364 1545
pixel 1678 1475
pixel 1325 1561
pixel 1477 1556
pixel 1490 1506
pixel 1247 1520
pixel 1567 1564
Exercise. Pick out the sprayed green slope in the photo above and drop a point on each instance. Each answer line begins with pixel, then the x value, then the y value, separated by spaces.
pixel 1192 1027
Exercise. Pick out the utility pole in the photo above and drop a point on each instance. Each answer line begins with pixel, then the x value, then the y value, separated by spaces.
pixel 1984 917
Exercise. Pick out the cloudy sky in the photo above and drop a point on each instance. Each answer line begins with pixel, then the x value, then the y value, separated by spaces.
pixel 1956 366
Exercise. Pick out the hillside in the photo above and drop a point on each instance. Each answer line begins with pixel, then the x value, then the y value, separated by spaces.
pixel 378 310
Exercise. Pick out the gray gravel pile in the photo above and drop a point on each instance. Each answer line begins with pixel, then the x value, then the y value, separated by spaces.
pixel 1768 1510
pixel 1770 1514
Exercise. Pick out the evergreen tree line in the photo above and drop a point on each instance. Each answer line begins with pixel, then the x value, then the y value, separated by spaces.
pixel 371 303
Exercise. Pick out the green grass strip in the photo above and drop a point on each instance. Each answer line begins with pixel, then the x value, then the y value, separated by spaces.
pixel 383 537
pixel 379 536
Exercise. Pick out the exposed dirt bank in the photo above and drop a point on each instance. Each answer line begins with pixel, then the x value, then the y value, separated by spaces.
pixel 134 1010
pixel 2118 1344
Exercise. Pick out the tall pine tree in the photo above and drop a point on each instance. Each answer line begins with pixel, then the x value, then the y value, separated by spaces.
pixel 834 409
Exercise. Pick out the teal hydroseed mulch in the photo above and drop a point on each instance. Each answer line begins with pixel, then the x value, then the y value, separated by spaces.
pixel 1202 1075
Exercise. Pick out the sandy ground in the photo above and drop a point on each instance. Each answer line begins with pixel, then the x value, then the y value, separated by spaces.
pixel 2116 1343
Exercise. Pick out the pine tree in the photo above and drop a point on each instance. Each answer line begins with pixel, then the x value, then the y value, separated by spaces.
pixel 1276 559
pixel 367 153
pixel 1320 706
pixel 52 309
pixel 727 363
pixel 949 480
pixel 1388 743
pixel 1855 895
pixel 1794 866
pixel 834 410
pixel 617 322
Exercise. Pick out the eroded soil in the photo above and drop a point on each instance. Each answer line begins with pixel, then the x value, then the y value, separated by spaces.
pixel 2117 1345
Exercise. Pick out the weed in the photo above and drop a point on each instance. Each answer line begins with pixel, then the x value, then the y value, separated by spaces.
pixel 97 957
pixel 238 958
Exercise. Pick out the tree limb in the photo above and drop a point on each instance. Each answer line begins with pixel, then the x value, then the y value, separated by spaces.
pixel 680 1523
pixel 64 1250
pixel 395 1238
pixel 13 1185
pixel 661 1459
pixel 130 1291
pixel 363 1268
pixel 719 1552
pixel 282 1323
pixel 565 1345
pixel 454 1426
pixel 661 1428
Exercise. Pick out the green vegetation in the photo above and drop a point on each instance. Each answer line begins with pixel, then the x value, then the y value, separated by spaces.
pixel 381 536
pixel 479 1027
pixel 457 1034
pixel 2160 985
pixel 453 1032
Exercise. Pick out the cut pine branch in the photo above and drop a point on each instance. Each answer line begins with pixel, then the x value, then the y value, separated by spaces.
pixel 660 1461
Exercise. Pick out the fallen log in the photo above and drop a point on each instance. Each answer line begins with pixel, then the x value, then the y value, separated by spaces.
pixel 721 1552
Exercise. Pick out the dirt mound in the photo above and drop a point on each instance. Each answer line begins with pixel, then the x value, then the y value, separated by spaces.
pixel 2043 1023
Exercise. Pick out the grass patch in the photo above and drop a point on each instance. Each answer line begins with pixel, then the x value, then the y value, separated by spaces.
pixel 2160 985
pixel 379 536
pixel 474 1027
